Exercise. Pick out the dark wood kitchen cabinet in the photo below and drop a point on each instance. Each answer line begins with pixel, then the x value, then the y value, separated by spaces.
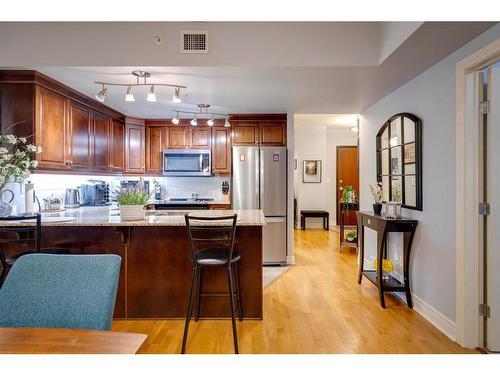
pixel 177 137
pixel 155 143
pixel 80 137
pixel 259 129
pixel 117 147
pixel 135 146
pixel 221 150
pixel 200 137
pixel 101 143
pixel 51 129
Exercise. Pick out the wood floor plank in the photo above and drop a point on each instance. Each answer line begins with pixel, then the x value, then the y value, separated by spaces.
pixel 316 307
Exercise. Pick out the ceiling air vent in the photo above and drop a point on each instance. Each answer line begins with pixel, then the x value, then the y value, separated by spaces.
pixel 194 41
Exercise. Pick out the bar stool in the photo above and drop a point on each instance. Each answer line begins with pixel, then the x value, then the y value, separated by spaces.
pixel 211 240
pixel 28 237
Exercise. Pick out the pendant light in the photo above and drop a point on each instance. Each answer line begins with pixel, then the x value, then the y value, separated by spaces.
pixel 194 121
pixel 177 96
pixel 151 96
pixel 101 95
pixel 129 97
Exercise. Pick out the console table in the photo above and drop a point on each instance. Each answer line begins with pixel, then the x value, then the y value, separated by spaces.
pixel 382 226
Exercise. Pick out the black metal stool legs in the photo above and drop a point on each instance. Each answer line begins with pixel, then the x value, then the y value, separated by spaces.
pixel 231 302
pixel 238 291
pixel 189 310
pixel 198 293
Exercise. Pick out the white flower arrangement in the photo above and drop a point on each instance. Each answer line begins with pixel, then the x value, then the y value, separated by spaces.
pixel 16 158
pixel 377 192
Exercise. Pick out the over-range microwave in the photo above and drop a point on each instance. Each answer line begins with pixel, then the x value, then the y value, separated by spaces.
pixel 187 163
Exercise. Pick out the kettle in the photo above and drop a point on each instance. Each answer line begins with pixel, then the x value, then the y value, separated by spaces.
pixel 72 198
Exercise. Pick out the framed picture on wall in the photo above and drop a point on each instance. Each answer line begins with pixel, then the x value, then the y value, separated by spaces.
pixel 312 171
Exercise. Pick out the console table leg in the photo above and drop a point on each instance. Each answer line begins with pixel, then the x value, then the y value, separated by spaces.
pixel 361 246
pixel 407 240
pixel 381 238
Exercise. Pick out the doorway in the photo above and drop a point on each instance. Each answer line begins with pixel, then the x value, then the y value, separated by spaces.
pixel 347 175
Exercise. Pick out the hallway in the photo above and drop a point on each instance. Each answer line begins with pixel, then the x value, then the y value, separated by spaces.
pixel 315 307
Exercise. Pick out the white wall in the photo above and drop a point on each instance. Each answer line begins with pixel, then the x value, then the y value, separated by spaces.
pixel 430 96
pixel 319 143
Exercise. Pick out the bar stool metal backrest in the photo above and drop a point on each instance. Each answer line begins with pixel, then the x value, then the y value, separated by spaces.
pixel 23 235
pixel 211 232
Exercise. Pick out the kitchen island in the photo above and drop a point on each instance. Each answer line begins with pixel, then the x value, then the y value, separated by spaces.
pixel 156 272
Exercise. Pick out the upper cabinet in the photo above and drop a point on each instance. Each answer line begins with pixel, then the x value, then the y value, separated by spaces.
pixel 51 129
pixel 221 150
pixel 186 136
pixel 117 146
pixel 261 129
pixel 80 137
pixel 155 143
pixel 101 143
pixel 135 146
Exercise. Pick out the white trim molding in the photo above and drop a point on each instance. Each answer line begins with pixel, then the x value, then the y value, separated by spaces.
pixel 290 260
pixel 467 228
pixel 438 320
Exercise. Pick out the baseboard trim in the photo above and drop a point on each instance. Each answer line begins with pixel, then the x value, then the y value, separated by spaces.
pixel 437 319
pixel 290 260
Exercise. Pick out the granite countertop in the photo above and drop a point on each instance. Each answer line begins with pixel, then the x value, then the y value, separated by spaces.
pixel 110 216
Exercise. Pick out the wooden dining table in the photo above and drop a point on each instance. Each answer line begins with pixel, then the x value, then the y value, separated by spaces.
pixel 68 341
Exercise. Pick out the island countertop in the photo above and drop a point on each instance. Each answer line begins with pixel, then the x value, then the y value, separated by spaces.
pixel 110 216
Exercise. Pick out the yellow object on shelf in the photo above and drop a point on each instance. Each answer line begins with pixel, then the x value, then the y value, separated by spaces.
pixel 387 265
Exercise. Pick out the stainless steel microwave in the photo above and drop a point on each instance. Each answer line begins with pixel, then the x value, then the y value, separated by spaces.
pixel 187 163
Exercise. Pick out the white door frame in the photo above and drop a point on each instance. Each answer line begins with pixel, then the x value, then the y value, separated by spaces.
pixel 468 270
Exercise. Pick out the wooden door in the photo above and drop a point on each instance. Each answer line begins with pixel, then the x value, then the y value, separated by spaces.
pixel 178 137
pixel 80 137
pixel 101 143
pixel 347 175
pixel 117 147
pixel 134 148
pixel 155 143
pixel 221 150
pixel 245 133
pixel 272 134
pixel 51 131
pixel 200 138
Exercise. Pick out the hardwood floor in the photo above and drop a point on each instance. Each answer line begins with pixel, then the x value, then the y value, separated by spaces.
pixel 316 307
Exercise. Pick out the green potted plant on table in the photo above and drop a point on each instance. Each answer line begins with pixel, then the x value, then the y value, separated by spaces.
pixel 348 195
pixel 351 235
pixel 132 202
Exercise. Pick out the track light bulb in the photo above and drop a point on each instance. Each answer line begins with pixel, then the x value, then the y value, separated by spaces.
pixel 129 97
pixel 177 95
pixel 151 96
pixel 210 122
pixel 101 95
pixel 175 120
pixel 194 122
pixel 227 124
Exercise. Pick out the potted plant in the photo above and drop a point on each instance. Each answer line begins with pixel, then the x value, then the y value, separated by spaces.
pixel 132 202
pixel 348 195
pixel 16 158
pixel 351 235
pixel 378 195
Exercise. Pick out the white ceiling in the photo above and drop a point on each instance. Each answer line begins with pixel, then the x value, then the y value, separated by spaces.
pixel 251 67
pixel 338 121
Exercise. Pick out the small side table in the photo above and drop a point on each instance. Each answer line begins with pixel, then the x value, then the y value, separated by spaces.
pixel 383 226
pixel 344 207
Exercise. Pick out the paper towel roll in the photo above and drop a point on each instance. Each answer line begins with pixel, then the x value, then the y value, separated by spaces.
pixel 29 197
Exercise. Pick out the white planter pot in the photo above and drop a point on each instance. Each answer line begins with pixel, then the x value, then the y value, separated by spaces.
pixel 132 212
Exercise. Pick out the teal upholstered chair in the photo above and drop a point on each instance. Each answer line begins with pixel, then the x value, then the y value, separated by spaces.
pixel 60 291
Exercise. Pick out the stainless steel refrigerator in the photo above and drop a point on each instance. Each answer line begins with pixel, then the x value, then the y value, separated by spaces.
pixel 260 182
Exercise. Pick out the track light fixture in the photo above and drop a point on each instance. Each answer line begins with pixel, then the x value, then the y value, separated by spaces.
pixel 177 96
pixel 151 96
pixel 203 112
pixel 101 95
pixel 129 97
pixel 139 74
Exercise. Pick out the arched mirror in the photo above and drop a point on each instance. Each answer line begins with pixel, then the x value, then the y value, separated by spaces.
pixel 399 160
